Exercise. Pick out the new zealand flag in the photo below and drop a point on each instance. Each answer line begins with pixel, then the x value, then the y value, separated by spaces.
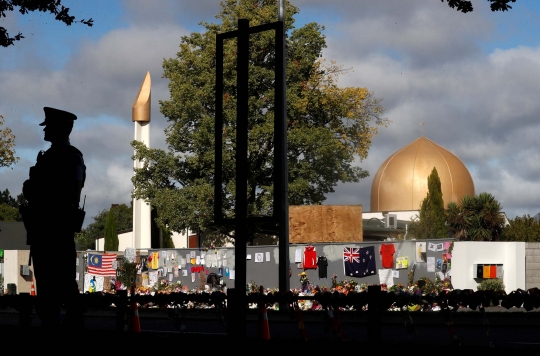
pixel 359 262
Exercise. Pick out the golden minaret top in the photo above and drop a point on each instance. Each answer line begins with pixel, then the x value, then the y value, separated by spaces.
pixel 141 106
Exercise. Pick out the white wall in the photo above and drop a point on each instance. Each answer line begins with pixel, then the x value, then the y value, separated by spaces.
pixel 13 259
pixel 125 240
pixel 180 240
pixel 468 253
pixel 401 215
pixel 11 268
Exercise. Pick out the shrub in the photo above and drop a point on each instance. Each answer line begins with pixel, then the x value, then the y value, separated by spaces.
pixel 495 284
pixel 427 286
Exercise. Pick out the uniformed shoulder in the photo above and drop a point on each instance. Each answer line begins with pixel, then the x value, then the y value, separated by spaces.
pixel 75 150
pixel 75 156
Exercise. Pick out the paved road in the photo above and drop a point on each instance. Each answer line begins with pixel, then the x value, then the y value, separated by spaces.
pixel 501 329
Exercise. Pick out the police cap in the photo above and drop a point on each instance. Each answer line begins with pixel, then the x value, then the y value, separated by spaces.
pixel 57 116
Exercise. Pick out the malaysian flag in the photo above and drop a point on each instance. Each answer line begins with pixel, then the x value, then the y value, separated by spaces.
pixel 101 264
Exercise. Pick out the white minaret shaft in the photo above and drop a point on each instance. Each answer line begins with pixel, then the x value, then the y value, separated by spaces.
pixel 142 210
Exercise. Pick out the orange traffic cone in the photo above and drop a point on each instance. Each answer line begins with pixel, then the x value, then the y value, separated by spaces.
pixel 342 336
pixel 301 326
pixel 33 289
pixel 264 330
pixel 334 325
pixel 134 324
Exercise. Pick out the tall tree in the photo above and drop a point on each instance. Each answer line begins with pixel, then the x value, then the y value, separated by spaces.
pixel 53 7
pixel 476 218
pixel 8 213
pixel 123 218
pixel 466 5
pixel 524 228
pixel 329 128
pixel 431 222
pixel 9 206
pixel 7 146
pixel 161 237
pixel 111 234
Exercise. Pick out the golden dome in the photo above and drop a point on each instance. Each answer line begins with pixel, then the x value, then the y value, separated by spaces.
pixel 401 181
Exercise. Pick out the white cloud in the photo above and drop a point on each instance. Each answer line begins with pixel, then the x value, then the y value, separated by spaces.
pixel 428 62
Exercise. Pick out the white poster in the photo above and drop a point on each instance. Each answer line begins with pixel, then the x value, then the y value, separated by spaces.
pixel 231 274
pixel 386 277
pixel 259 257
pixel 152 278
pixel 129 254
pixel 96 283
pixel 210 260
pixel 431 264
pixel 268 257
pixel 421 252
pixel 298 255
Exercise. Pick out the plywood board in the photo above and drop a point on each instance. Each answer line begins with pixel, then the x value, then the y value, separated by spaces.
pixel 325 223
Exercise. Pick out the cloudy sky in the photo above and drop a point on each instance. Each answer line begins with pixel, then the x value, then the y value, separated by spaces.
pixel 473 79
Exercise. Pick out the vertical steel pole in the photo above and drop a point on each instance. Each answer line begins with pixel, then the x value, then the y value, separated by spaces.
pixel 241 230
pixel 281 172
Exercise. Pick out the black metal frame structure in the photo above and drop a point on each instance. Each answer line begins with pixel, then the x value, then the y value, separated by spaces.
pixel 281 203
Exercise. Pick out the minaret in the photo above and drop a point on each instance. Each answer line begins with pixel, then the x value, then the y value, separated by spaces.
pixel 141 210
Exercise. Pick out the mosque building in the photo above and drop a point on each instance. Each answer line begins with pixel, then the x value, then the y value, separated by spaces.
pixel 400 186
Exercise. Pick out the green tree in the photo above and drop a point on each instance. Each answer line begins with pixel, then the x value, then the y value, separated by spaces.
pixel 329 128
pixel 8 213
pixel 476 218
pixel 161 237
pixel 53 7
pixel 123 219
pixel 166 237
pixel 6 198
pixel 9 206
pixel 7 145
pixel 431 222
pixel 111 234
pixel 466 5
pixel 524 228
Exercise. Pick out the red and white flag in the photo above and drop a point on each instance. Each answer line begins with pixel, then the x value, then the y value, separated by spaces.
pixel 101 264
